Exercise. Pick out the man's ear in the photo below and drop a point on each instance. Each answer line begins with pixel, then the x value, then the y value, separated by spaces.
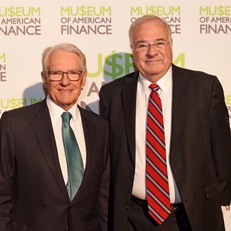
pixel 84 79
pixel 44 79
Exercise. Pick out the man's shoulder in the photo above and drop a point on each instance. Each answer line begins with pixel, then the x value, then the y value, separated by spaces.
pixel 191 72
pixel 198 80
pixel 25 111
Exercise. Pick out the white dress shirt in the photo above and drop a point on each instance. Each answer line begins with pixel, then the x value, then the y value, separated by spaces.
pixel 165 93
pixel 76 125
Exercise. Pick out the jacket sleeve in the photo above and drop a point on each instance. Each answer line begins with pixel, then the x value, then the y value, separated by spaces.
pixel 7 173
pixel 221 141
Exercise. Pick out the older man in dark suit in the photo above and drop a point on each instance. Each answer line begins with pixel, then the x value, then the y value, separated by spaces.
pixel 48 180
pixel 170 140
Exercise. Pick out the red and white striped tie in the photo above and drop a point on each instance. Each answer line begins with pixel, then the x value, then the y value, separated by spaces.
pixel 156 166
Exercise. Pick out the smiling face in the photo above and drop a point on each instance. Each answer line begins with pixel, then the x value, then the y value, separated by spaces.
pixel 153 62
pixel 64 93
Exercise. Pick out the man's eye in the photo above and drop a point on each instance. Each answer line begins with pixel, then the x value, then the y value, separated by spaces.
pixel 55 73
pixel 142 45
pixel 160 44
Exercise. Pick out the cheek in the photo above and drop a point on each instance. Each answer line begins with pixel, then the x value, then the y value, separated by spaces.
pixel 137 58
pixel 52 89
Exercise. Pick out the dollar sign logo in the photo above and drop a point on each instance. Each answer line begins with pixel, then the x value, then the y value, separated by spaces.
pixel 113 62
pixel 82 11
pixel 11 11
pixel 152 10
pixel 220 10
pixel 13 103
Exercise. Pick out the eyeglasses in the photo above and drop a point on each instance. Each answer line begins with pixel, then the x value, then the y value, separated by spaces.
pixel 142 46
pixel 58 75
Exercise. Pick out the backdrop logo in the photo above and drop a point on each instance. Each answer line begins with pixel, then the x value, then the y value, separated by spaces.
pixel 215 19
pixel 3 67
pixel 86 20
pixel 20 21
pixel 117 65
pixel 112 65
pixel 170 14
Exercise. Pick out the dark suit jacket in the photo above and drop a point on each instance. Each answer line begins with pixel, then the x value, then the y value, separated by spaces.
pixel 33 195
pixel 200 149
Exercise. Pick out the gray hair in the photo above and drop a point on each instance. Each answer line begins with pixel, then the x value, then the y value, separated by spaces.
pixel 68 47
pixel 144 19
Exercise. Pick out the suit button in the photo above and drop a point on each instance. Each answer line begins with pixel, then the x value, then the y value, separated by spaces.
pixel 126 206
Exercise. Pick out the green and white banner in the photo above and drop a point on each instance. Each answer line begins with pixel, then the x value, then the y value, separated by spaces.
pixel 201 41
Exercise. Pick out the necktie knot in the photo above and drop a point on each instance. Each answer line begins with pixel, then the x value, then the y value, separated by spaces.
pixel 154 87
pixel 66 117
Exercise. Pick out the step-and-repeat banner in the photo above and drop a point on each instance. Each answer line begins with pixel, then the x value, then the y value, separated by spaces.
pixel 201 41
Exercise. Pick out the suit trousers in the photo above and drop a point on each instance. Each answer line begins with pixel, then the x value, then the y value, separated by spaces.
pixel 140 220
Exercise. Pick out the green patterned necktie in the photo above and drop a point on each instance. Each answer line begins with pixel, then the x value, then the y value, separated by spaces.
pixel 73 157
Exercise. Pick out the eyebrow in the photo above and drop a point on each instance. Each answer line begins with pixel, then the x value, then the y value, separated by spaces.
pixel 145 41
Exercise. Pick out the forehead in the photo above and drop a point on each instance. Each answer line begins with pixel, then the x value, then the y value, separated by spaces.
pixel 64 59
pixel 150 30
pixel 62 55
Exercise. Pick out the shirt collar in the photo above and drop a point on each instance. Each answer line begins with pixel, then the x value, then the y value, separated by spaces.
pixel 164 83
pixel 56 111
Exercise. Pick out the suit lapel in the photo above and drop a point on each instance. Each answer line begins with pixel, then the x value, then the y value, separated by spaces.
pixel 90 138
pixel 129 108
pixel 44 132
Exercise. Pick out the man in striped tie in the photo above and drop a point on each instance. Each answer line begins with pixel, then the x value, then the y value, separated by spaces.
pixel 170 140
